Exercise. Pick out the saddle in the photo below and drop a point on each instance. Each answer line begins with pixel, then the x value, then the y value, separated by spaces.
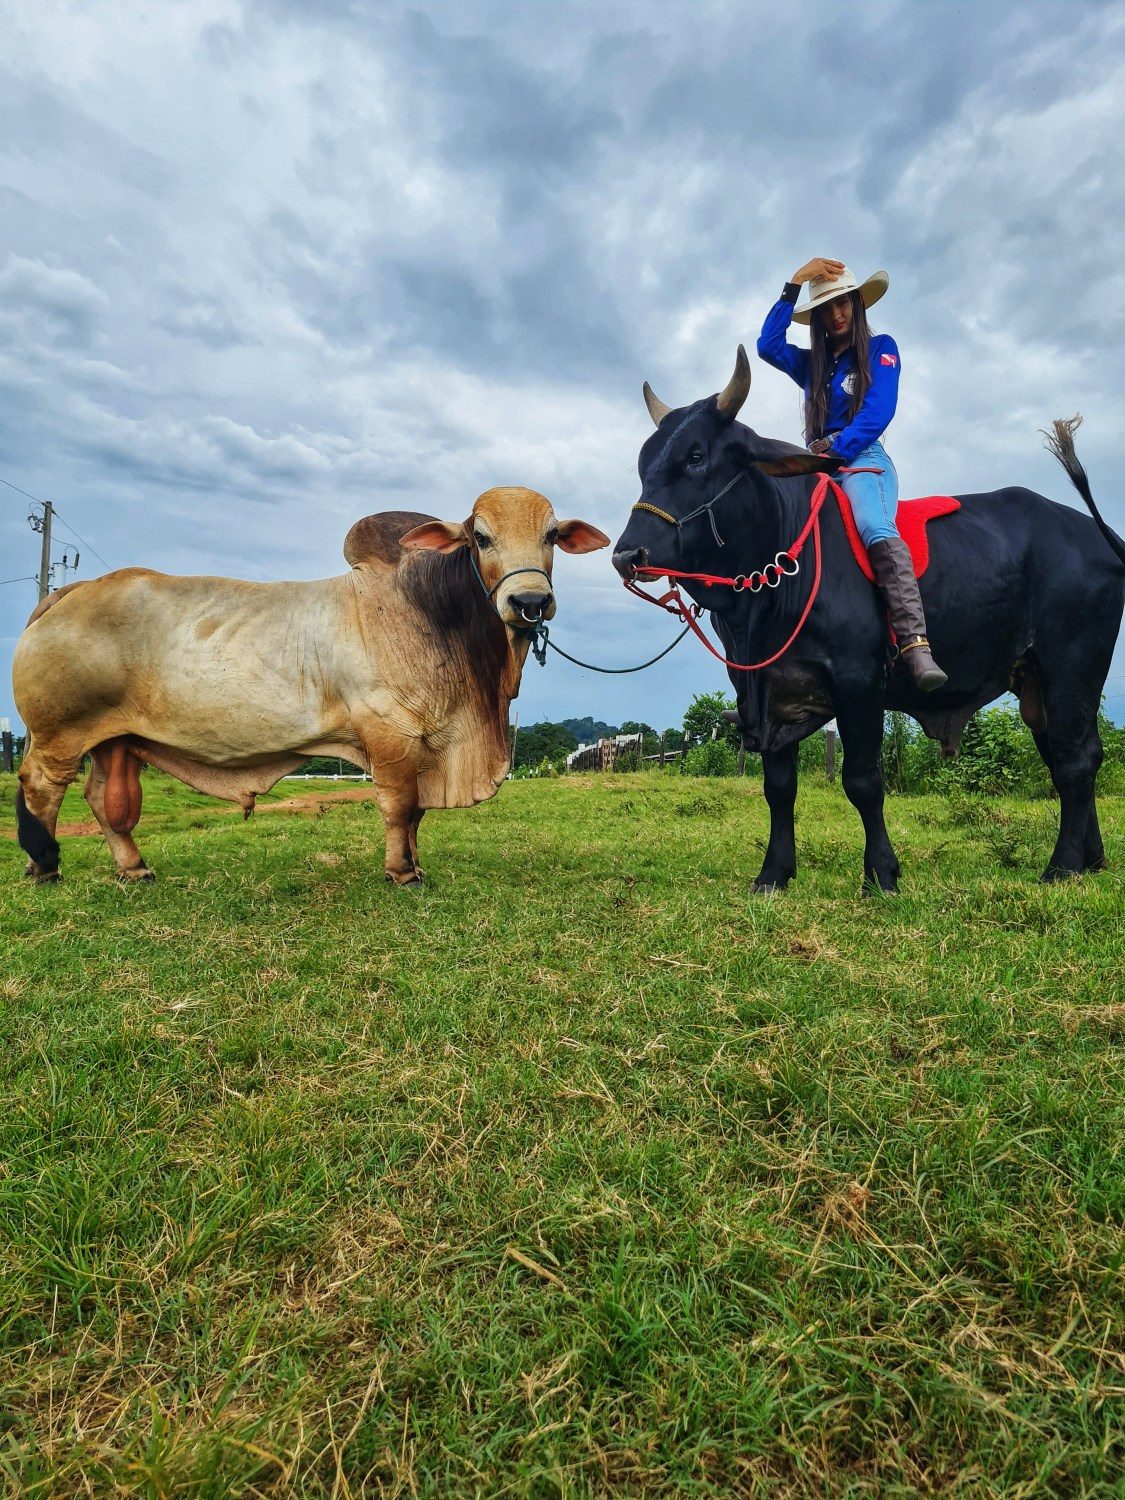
pixel 911 518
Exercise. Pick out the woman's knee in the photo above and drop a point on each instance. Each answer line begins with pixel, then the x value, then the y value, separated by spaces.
pixel 876 530
pixel 874 518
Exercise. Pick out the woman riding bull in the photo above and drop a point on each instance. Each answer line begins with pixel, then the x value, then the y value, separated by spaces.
pixel 850 380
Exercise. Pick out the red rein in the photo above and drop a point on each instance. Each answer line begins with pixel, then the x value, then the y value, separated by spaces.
pixel 690 613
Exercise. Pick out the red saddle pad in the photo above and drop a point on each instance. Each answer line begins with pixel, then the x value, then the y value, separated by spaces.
pixel 911 518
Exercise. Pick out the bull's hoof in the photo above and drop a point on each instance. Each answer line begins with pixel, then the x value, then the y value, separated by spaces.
pixel 1092 866
pixel 405 883
pixel 44 877
pixel 769 887
pixel 1055 873
pixel 138 872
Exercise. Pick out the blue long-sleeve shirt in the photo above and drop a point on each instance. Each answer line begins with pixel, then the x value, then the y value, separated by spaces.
pixel 874 416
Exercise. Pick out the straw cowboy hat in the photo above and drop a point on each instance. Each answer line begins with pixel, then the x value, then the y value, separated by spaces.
pixel 823 288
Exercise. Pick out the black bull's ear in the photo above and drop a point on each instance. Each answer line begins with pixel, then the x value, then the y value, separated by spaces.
pixel 784 459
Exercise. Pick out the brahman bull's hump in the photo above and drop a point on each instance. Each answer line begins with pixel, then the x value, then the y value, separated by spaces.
pixel 376 538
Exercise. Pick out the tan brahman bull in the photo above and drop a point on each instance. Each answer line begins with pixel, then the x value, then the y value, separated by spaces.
pixel 405 666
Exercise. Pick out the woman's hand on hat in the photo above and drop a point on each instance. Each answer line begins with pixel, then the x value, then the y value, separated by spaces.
pixel 818 269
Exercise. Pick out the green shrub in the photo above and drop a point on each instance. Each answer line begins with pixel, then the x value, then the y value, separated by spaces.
pixel 998 755
pixel 545 768
pixel 712 758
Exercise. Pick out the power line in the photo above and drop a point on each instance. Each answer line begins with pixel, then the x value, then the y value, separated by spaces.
pixel 35 499
pixel 83 540
pixel 18 491
pixel 26 578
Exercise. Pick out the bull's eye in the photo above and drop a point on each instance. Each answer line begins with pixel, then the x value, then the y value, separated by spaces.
pixel 695 458
pixel 481 540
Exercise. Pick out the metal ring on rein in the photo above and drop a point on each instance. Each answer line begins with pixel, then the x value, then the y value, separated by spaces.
pixel 759 579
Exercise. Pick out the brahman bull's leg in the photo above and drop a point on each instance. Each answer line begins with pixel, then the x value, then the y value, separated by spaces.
pixel 113 790
pixel 42 787
pixel 414 822
pixel 399 805
pixel 779 771
pixel 1093 850
pixel 861 734
pixel 393 761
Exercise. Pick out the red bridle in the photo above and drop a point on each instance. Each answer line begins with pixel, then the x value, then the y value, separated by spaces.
pixel 769 577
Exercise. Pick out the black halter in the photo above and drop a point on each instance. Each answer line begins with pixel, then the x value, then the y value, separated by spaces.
pixel 679 522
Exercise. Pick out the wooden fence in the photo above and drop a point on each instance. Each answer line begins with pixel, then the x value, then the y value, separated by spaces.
pixel 603 754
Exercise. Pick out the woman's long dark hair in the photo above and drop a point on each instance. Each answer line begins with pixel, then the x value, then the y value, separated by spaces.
pixel 820 369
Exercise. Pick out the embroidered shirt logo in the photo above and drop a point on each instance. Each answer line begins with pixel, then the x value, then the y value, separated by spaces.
pixel 888 359
pixel 848 383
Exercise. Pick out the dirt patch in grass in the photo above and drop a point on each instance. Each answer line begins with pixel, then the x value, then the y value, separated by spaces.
pixel 63 830
pixel 315 804
pixel 311 804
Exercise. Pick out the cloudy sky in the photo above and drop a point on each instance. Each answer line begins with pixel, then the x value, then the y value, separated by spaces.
pixel 268 267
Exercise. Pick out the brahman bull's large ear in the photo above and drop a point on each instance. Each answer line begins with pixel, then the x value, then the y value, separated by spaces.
pixel 579 536
pixel 436 536
pixel 785 459
pixel 733 397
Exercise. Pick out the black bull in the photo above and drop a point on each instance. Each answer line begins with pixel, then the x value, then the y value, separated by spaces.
pixel 1021 593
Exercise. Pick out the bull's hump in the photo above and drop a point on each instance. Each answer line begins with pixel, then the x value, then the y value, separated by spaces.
pixel 377 538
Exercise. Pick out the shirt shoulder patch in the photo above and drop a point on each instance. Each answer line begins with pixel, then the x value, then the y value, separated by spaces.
pixel 888 359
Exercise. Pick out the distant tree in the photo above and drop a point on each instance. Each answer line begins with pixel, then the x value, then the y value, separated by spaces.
pixel 588 731
pixel 705 714
pixel 545 741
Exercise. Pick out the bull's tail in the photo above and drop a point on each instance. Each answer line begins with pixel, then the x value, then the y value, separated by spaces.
pixel 1061 444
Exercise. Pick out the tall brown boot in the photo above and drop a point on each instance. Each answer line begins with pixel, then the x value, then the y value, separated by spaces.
pixel 894 574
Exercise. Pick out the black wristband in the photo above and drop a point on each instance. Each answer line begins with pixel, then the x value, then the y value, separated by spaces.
pixel 792 291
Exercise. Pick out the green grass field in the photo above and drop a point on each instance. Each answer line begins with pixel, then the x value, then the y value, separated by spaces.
pixel 581 1173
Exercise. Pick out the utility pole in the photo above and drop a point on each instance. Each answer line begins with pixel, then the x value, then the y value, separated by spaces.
pixel 43 524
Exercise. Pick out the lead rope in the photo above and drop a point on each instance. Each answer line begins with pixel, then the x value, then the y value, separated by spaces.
pixel 540 635
pixel 589 665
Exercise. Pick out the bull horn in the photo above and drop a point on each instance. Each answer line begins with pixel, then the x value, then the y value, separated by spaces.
pixel 738 387
pixel 656 408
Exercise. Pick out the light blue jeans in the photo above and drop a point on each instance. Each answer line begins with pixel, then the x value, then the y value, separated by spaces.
pixel 874 497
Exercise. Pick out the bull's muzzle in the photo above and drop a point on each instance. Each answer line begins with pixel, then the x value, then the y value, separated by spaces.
pixel 530 608
pixel 629 560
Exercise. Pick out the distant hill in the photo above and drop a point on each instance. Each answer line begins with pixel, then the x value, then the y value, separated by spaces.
pixel 587 730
